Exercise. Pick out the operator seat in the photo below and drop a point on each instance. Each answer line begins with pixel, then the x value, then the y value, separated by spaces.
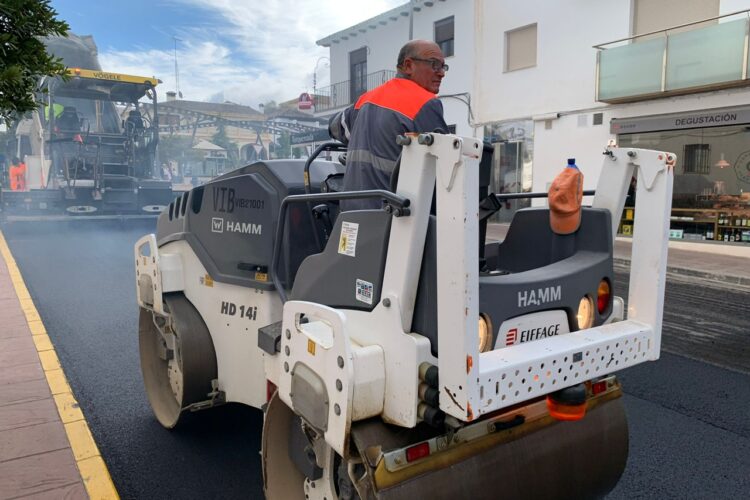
pixel 134 122
pixel 68 121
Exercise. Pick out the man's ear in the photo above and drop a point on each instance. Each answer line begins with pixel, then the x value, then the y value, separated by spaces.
pixel 408 67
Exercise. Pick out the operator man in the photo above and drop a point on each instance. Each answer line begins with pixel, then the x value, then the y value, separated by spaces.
pixel 407 103
pixel 17 175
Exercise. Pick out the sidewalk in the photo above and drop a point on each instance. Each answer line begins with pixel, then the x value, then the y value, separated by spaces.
pixel 46 448
pixel 723 262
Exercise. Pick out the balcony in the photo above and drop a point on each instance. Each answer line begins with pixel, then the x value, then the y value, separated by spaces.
pixel 707 55
pixel 343 94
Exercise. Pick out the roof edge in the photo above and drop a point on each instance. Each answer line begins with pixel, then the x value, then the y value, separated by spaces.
pixel 392 15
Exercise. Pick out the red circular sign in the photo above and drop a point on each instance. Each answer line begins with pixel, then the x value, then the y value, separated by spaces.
pixel 305 101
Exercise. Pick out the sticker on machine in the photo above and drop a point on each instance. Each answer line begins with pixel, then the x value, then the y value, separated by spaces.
pixel 531 327
pixel 348 238
pixel 364 291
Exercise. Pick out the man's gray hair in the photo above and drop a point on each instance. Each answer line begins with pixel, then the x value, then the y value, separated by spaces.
pixel 408 50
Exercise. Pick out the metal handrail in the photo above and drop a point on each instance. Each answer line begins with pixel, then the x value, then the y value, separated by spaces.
pixel 665 30
pixel 339 95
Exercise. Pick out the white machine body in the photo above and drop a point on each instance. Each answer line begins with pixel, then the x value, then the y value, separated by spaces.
pixel 368 362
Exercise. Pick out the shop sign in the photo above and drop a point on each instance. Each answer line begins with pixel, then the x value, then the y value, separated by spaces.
pixel 710 118
pixel 320 135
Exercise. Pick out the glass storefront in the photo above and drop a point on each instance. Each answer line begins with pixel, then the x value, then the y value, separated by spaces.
pixel 712 181
pixel 512 160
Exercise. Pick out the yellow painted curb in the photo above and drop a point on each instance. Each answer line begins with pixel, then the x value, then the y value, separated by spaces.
pixel 57 382
pixel 91 466
pixel 96 478
pixel 78 431
pixel 42 343
pixel 68 408
pixel 49 360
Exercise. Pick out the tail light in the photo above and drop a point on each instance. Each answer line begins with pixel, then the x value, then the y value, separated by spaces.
pixel 585 315
pixel 603 294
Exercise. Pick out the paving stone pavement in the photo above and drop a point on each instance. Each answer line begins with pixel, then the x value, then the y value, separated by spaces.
pixel 36 460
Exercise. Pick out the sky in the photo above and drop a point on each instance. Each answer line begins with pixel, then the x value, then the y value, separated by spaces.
pixel 244 51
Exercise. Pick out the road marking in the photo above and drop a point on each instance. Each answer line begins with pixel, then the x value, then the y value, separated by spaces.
pixel 91 466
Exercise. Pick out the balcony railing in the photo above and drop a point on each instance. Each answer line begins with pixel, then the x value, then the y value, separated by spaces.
pixel 706 55
pixel 343 94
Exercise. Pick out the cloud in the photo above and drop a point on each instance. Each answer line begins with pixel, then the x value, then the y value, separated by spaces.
pixel 249 55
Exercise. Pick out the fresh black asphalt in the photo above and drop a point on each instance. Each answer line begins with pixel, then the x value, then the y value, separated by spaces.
pixel 689 420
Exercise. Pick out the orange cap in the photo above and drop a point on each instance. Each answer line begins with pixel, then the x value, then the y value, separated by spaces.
pixel 565 196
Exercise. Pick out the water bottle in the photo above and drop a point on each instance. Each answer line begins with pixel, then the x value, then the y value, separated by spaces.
pixel 572 163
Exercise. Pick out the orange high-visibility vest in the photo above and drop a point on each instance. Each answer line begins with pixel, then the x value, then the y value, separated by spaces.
pixel 18 177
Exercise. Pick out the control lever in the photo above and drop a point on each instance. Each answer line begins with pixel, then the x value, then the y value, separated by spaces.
pixel 488 206
pixel 322 213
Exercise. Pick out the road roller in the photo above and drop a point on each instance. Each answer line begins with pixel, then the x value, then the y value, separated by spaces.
pixel 397 352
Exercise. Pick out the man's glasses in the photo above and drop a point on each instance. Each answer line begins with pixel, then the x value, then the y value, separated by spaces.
pixel 436 65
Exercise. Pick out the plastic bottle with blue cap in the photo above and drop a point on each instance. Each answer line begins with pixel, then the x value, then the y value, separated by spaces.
pixel 572 163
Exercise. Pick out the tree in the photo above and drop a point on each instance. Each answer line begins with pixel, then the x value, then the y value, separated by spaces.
pixel 220 138
pixel 23 58
pixel 269 107
pixel 178 148
pixel 284 145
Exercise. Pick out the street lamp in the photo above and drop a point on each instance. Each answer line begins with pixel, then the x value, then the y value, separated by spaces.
pixel 176 69
pixel 315 79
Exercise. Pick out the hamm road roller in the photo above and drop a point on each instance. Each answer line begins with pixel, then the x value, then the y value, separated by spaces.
pixel 396 352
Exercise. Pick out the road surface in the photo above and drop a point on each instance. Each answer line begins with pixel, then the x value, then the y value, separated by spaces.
pixel 689 413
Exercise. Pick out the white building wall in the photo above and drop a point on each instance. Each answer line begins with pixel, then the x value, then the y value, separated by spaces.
pixel 459 78
pixel 729 6
pixel 563 78
pixel 563 81
pixel 383 43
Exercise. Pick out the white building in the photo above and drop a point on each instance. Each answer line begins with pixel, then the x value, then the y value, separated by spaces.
pixel 547 83
pixel 364 56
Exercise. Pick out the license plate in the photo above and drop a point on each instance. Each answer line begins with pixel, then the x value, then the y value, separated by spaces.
pixel 530 327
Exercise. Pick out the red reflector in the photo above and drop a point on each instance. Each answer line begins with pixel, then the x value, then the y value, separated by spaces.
pixel 601 303
pixel 270 390
pixel 602 296
pixel 417 451
pixel 598 387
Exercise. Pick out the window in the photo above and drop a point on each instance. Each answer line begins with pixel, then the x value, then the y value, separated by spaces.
pixel 520 48
pixel 598 118
pixel 697 159
pixel 357 74
pixel 654 15
pixel 444 35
